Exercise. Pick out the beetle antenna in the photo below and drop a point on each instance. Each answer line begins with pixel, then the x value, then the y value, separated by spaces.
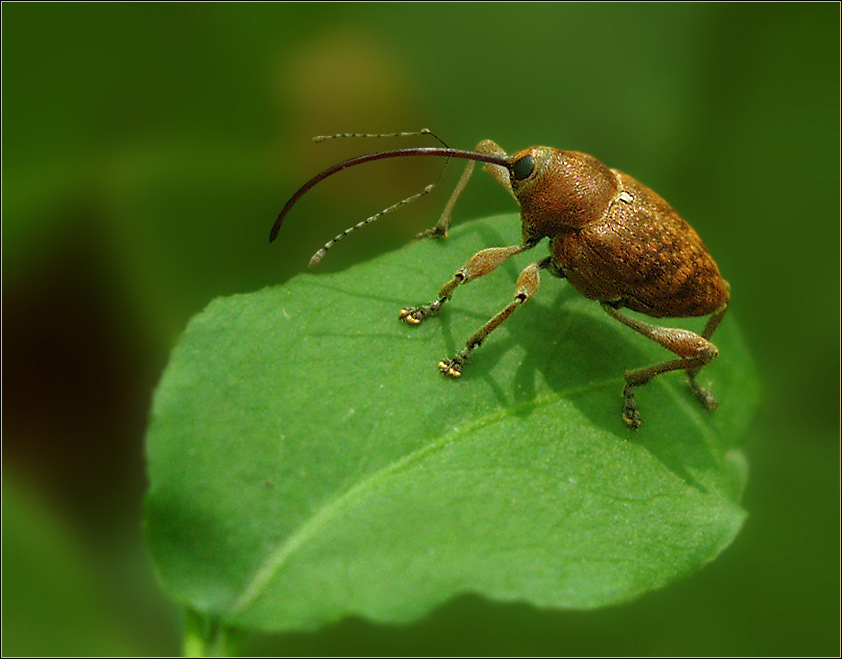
pixel 320 254
pixel 494 159
pixel 424 131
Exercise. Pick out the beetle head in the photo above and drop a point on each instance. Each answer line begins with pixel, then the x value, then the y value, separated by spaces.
pixel 559 187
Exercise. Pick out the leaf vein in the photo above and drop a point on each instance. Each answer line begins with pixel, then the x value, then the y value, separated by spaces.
pixel 332 508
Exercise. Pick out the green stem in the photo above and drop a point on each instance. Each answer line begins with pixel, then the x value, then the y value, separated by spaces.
pixel 207 637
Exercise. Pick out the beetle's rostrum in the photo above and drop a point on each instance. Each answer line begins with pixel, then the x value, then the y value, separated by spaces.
pixel 614 239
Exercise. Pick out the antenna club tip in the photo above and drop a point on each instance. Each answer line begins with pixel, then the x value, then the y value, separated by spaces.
pixel 314 261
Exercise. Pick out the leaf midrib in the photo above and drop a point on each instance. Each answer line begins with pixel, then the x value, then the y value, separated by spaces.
pixel 332 508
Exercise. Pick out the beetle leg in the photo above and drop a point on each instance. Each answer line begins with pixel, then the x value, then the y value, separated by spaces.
pixel 479 265
pixel 694 352
pixel 497 171
pixel 526 286
pixel 703 395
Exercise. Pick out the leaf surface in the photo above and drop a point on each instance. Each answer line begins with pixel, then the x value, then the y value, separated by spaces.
pixel 308 462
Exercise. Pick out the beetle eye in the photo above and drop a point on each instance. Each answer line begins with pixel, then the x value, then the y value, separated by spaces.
pixel 523 168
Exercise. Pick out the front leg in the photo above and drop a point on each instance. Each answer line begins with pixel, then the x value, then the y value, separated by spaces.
pixel 501 174
pixel 525 288
pixel 706 398
pixel 480 264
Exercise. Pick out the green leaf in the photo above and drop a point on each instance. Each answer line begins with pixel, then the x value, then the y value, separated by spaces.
pixel 309 462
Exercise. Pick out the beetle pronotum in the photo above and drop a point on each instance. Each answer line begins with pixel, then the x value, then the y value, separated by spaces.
pixel 615 240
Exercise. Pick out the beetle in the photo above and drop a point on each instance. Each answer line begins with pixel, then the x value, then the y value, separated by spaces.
pixel 615 240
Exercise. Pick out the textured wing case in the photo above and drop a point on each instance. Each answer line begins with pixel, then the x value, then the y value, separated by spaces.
pixel 643 255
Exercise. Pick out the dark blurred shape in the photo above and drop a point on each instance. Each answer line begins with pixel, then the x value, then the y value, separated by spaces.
pixel 75 385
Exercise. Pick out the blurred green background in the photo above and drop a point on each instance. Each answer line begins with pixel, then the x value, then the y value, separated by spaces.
pixel 147 149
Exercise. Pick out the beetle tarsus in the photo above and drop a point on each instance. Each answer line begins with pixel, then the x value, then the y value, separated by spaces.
pixel 452 367
pixel 412 315
pixel 415 315
pixel 631 415
pixel 707 399
pixel 432 232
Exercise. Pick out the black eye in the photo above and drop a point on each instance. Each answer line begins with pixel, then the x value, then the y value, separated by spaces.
pixel 523 168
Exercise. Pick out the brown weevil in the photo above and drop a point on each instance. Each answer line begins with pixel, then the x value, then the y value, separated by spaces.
pixel 615 240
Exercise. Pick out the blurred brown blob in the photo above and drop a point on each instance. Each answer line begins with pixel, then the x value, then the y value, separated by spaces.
pixel 75 386
pixel 348 80
pixel 345 79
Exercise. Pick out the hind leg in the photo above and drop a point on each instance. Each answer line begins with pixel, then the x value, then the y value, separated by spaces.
pixel 706 398
pixel 693 350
